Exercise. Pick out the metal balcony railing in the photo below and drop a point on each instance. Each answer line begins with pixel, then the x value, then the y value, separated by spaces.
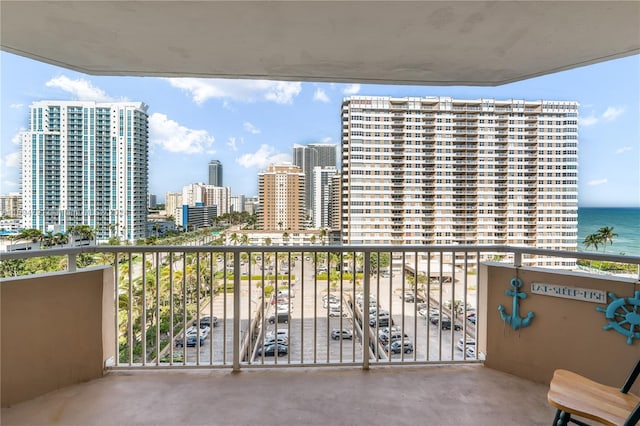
pixel 242 306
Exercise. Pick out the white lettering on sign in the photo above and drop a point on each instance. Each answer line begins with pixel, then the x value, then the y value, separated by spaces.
pixel 584 294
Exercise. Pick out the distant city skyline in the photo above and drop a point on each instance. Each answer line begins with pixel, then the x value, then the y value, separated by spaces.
pixel 248 125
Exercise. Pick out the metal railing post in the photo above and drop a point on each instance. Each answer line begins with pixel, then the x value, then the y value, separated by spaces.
pixel 517 259
pixel 71 262
pixel 365 315
pixel 236 312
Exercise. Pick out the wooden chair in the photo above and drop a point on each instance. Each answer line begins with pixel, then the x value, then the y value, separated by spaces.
pixel 573 394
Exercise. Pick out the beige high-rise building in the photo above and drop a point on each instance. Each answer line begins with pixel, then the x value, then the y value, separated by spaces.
pixel 173 204
pixel 439 170
pixel 281 192
pixel 11 206
pixel 219 196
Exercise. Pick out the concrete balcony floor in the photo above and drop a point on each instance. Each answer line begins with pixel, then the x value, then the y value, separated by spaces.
pixel 429 395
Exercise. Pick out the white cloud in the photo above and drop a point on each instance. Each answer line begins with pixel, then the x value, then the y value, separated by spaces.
pixel 263 158
pixel 588 121
pixel 16 106
pixel 351 89
pixel 327 139
pixel 201 89
pixel 624 149
pixel 597 182
pixel 80 89
pixel 9 171
pixel 251 128
pixel 7 185
pixel 12 159
pixel 232 143
pixel 17 139
pixel 612 113
pixel 320 96
pixel 173 137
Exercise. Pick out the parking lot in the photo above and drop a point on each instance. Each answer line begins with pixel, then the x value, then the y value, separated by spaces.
pixel 310 323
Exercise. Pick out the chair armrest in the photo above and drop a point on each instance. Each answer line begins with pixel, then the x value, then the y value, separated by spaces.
pixel 631 379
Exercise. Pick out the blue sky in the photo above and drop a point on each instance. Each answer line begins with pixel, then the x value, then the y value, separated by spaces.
pixel 249 124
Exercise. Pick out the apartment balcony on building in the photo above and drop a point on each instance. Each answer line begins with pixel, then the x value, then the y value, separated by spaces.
pixel 220 310
pixel 192 334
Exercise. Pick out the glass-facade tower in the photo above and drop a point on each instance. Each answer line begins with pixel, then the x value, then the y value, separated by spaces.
pixel 86 163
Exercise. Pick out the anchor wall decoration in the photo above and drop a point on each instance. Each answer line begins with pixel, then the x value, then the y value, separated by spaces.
pixel 514 320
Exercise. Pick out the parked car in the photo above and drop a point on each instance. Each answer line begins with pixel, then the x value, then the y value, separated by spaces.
pixel 411 298
pixel 193 330
pixel 434 317
pixel 471 352
pixel 330 303
pixel 335 312
pixel 382 321
pixel 272 349
pixel 446 325
pixel 208 322
pixel 282 332
pixel 192 340
pixel 471 317
pixel 395 335
pixel 337 334
pixel 282 317
pixel 398 346
pixel 470 343
pixel 273 340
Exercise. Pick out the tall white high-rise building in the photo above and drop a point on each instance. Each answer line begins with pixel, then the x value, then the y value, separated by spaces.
pixel 236 203
pixel 439 170
pixel 86 163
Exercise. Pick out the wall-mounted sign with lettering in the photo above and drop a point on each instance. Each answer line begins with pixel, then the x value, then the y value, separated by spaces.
pixel 583 294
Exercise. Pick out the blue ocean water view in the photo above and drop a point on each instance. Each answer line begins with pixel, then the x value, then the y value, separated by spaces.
pixel 625 223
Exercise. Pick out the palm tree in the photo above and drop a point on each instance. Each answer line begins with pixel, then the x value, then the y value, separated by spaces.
pixel 592 240
pixel 323 234
pixel 606 234
pixel 234 238
pixel 244 240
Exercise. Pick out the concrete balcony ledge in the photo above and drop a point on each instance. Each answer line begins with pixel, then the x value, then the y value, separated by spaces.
pixel 436 395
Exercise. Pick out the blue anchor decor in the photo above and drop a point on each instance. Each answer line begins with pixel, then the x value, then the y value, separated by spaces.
pixel 624 316
pixel 514 319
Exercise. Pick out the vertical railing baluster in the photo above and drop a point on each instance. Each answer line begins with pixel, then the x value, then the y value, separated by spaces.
pixel 172 304
pixel 184 305
pixel 197 323
pixel 158 322
pixel 365 305
pixel 236 311
pixel 130 313
pixel 143 319
pixel 116 278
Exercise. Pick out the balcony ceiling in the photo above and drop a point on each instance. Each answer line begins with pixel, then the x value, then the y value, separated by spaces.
pixel 437 43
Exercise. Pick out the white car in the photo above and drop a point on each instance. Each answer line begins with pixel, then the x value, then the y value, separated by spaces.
pixel 470 344
pixel 193 331
pixel 282 332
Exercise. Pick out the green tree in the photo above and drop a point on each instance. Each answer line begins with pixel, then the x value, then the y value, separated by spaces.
pixel 591 240
pixel 606 234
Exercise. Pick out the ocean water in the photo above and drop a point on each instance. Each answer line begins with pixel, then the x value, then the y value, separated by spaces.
pixel 625 223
